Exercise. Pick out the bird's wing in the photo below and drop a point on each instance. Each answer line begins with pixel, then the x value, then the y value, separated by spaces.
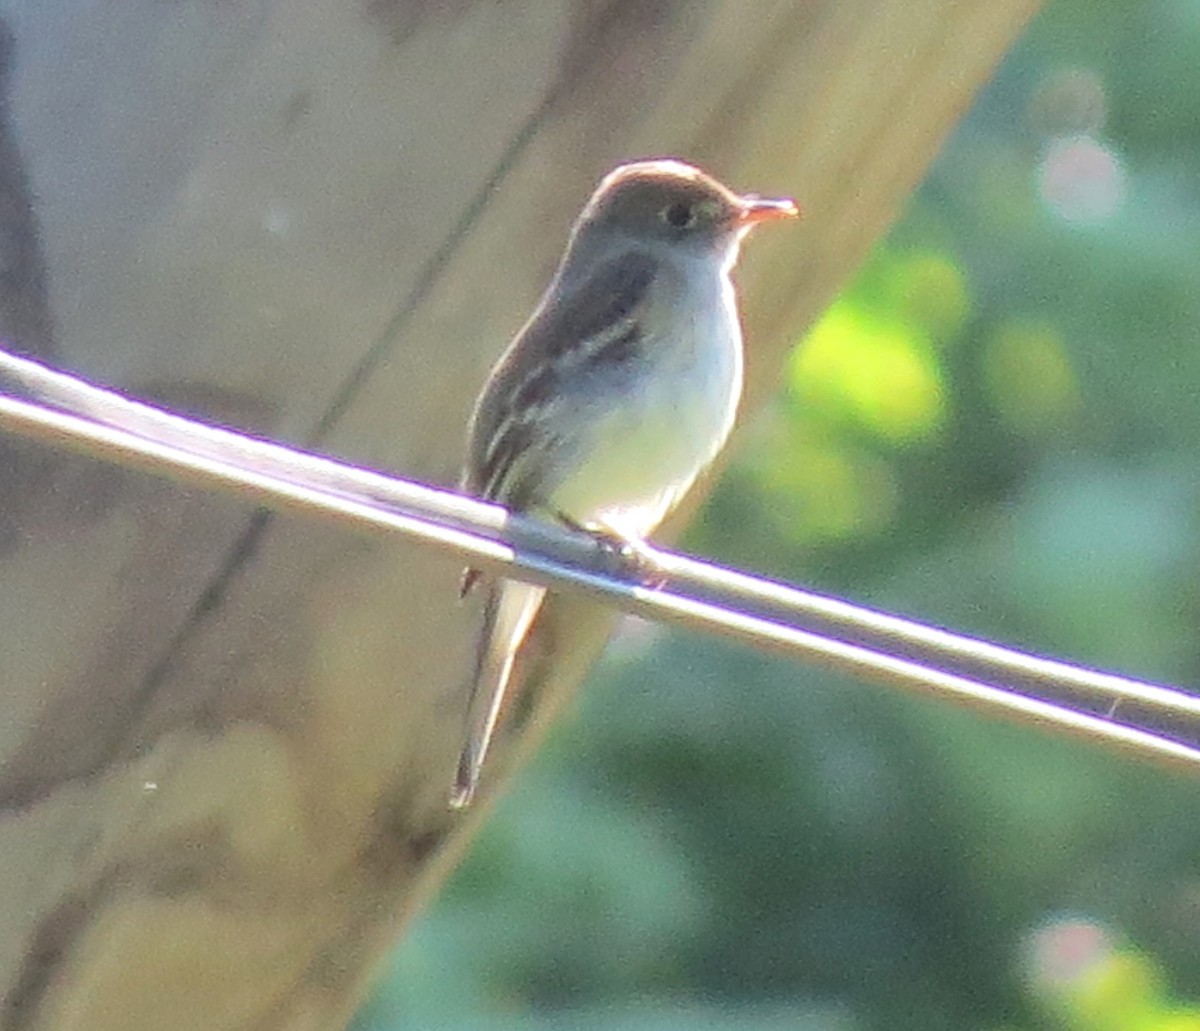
pixel 594 320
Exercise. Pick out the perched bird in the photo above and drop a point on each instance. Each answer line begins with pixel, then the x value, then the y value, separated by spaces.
pixel 618 392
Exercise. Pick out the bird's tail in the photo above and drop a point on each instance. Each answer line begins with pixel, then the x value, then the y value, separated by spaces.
pixel 509 612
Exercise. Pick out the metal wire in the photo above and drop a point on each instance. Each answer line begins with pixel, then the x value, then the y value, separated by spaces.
pixel 1156 722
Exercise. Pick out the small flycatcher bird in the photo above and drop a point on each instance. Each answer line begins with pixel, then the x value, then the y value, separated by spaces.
pixel 618 392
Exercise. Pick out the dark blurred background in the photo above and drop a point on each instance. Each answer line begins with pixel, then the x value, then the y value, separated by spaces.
pixel 996 428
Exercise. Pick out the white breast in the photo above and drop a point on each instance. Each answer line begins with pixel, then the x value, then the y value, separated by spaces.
pixel 646 447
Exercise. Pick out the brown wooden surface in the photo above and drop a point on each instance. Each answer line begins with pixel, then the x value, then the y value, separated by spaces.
pixel 227 739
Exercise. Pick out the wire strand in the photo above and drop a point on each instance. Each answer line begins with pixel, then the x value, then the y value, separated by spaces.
pixel 1157 722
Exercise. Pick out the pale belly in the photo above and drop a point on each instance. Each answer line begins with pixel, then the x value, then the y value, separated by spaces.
pixel 645 452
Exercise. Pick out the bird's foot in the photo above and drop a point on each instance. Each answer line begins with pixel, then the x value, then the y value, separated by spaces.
pixel 629 558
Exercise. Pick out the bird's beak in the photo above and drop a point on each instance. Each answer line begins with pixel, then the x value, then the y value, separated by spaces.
pixel 765 209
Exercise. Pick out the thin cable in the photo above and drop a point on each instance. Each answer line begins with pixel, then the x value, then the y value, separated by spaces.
pixel 1050 680
pixel 839 635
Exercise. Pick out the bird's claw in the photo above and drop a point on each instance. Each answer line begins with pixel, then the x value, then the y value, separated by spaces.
pixel 628 558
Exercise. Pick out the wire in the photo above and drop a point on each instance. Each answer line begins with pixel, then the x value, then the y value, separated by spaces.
pixel 1157 723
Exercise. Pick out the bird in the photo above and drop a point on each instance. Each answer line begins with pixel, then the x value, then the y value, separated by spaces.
pixel 619 391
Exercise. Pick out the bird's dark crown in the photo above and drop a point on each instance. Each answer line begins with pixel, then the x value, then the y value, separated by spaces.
pixel 664 199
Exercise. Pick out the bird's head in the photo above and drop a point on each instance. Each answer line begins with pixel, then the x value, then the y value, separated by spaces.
pixel 676 203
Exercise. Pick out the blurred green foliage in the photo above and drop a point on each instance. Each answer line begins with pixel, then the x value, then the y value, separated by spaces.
pixel 995 428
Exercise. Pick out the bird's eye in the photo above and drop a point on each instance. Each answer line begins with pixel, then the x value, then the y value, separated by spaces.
pixel 678 215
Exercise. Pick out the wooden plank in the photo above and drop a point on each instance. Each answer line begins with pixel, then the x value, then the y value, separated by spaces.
pixel 228 740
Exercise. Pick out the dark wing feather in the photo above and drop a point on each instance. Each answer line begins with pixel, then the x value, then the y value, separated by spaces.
pixel 592 320
pixel 600 309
